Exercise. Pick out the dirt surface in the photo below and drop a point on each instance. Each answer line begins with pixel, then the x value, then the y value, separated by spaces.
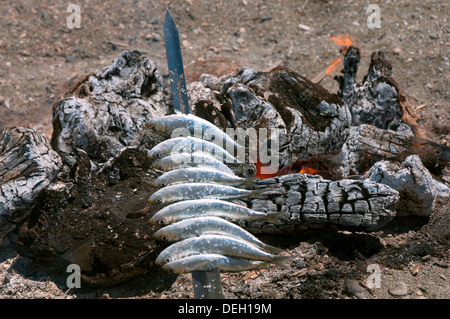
pixel 41 58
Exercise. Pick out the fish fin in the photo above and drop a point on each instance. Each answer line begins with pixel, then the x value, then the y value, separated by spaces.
pixel 282 261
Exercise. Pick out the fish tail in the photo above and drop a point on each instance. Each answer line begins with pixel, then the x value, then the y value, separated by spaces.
pixel 282 261
pixel 273 217
pixel 264 193
pixel 259 193
pixel 272 249
pixel 251 181
pixel 245 169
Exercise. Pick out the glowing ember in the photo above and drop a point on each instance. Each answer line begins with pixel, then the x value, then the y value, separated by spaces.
pixel 312 171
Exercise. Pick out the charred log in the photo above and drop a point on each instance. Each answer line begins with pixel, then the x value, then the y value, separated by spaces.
pixel 309 201
pixel 27 166
pixel 98 225
pixel 368 144
pixel 378 100
pixel 311 121
pixel 417 188
pixel 107 111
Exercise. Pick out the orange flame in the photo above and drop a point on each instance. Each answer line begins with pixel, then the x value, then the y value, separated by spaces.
pixel 333 65
pixel 344 40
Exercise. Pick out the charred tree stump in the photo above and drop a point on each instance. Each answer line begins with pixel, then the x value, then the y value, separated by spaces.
pixel 27 166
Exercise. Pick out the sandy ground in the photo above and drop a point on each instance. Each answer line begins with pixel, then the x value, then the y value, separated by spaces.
pixel 41 58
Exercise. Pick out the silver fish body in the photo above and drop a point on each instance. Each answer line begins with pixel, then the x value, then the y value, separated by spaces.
pixel 184 160
pixel 210 207
pixel 208 262
pixel 200 175
pixel 199 226
pixel 214 244
pixel 190 144
pixel 188 191
pixel 185 124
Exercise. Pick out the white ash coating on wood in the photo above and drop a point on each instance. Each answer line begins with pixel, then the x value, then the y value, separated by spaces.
pixel 368 144
pixel 108 111
pixel 378 99
pixel 416 186
pixel 27 166
pixel 309 201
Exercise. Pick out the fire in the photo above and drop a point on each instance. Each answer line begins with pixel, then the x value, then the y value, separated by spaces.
pixel 344 40
pixel 333 65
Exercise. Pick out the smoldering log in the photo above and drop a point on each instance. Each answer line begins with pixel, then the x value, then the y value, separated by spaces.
pixel 27 165
pixel 311 122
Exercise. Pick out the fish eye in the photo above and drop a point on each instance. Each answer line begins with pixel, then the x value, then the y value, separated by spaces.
pixel 167 260
pixel 164 238
pixel 160 168
pixel 162 184
pixel 158 201
pixel 157 155
pixel 161 222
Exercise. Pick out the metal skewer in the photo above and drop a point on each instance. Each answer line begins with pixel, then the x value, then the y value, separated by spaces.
pixel 207 284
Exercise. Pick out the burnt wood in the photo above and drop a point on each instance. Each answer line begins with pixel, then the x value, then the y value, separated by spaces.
pixel 27 165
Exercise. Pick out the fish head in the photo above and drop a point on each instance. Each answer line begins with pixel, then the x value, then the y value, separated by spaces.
pixel 161 221
pixel 156 153
pixel 159 182
pixel 157 124
pixel 169 267
pixel 163 258
pixel 160 164
pixel 164 234
pixel 155 198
